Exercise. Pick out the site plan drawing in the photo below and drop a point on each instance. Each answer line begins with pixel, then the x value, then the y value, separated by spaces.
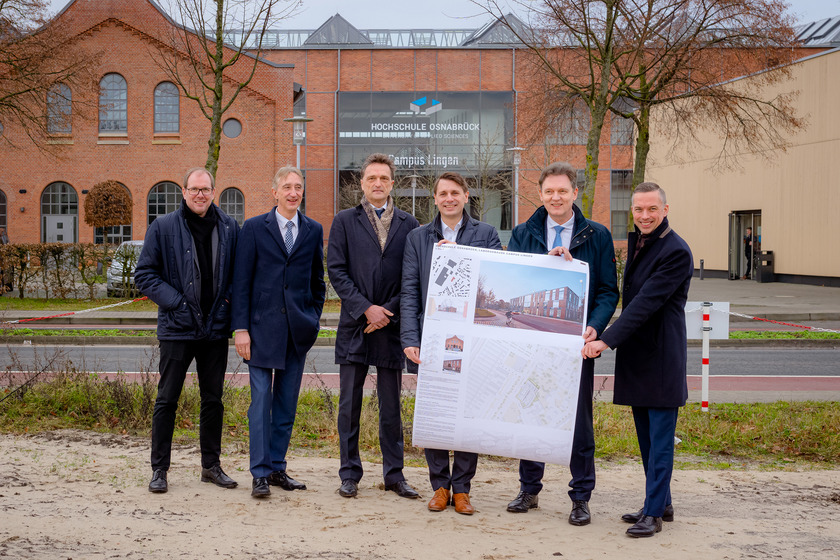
pixel 500 353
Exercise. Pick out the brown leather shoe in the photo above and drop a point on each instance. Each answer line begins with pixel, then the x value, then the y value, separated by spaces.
pixel 440 500
pixel 462 503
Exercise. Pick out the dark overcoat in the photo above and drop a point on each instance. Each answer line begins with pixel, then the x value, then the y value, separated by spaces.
pixel 278 296
pixel 167 273
pixel 591 243
pixel 417 262
pixel 649 335
pixel 362 275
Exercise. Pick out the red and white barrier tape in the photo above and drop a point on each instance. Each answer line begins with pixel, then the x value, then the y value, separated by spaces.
pixel 17 321
pixel 814 329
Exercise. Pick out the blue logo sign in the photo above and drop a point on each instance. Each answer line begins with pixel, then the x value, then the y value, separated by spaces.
pixel 425 106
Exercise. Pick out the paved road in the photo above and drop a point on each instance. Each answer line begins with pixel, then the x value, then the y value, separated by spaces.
pixel 723 361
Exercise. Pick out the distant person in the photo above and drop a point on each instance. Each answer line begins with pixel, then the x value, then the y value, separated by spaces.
pixel 278 296
pixel 749 252
pixel 452 224
pixel 650 342
pixel 186 268
pixel 364 260
pixel 558 227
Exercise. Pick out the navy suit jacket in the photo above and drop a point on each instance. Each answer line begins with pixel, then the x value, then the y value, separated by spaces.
pixel 649 335
pixel 362 275
pixel 278 296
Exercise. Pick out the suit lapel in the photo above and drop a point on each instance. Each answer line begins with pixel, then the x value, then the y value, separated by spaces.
pixel 396 223
pixel 362 218
pixel 303 231
pixel 274 230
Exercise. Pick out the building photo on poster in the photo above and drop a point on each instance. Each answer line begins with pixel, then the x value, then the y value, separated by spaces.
pixel 500 353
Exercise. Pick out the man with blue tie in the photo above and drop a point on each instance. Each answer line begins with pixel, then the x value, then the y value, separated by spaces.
pixel 278 296
pixel 558 227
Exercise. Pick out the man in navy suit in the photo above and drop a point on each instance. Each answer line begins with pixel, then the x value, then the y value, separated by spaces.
pixel 558 227
pixel 650 342
pixel 364 260
pixel 278 296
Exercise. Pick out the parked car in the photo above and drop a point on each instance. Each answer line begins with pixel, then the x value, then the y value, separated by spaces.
pixel 121 271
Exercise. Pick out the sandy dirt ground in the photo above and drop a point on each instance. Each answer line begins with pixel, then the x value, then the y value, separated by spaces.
pixel 82 495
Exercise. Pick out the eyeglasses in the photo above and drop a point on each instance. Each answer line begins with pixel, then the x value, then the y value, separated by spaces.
pixel 194 191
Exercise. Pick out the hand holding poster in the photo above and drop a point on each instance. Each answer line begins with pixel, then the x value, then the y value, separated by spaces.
pixel 500 353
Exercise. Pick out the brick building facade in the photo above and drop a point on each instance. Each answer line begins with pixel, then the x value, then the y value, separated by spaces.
pixel 437 101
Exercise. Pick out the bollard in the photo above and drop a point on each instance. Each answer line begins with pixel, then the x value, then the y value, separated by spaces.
pixel 707 310
pixel 701 269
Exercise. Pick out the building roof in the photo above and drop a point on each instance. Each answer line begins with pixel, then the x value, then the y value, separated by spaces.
pixel 820 33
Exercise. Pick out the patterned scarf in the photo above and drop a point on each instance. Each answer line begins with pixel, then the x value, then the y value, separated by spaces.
pixel 380 225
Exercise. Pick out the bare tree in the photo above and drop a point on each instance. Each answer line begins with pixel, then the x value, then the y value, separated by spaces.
pixel 107 204
pixel 41 61
pixel 574 45
pixel 215 51
pixel 688 49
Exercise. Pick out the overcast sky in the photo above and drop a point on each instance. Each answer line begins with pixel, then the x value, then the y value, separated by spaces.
pixel 446 14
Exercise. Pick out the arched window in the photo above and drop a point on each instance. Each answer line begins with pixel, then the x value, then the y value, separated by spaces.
pixel 232 203
pixel 3 210
pixel 59 213
pixel 113 104
pixel 166 108
pixel 59 110
pixel 115 234
pixel 165 197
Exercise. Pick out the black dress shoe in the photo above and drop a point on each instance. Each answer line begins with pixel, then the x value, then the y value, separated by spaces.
pixel 259 488
pixel 218 477
pixel 403 489
pixel 580 513
pixel 158 484
pixel 349 488
pixel 284 481
pixel 635 516
pixel 523 502
pixel 647 526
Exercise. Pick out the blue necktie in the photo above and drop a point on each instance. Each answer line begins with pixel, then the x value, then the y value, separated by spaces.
pixel 379 212
pixel 290 241
pixel 558 239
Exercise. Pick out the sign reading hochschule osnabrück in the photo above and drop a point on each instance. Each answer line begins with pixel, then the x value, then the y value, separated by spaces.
pixel 443 130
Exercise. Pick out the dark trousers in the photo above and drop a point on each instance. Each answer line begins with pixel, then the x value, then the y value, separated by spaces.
pixel 749 264
pixel 271 415
pixel 463 470
pixel 210 361
pixel 655 429
pixel 582 463
pixel 388 387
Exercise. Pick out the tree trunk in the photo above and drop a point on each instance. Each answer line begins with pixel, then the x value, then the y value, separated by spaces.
pixel 642 145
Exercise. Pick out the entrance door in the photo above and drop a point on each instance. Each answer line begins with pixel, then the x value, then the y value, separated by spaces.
pixel 60 229
pixel 742 253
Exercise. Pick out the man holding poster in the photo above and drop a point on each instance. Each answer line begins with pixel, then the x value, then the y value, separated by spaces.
pixel 454 225
pixel 558 227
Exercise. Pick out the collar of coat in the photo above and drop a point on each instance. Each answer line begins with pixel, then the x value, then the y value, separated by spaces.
pixel 466 220
pixel 536 224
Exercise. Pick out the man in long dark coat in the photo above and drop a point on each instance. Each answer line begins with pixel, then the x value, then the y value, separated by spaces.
pixel 364 261
pixel 650 342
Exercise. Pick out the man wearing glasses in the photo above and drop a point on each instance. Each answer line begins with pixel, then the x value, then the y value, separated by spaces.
pixel 186 268
pixel 364 261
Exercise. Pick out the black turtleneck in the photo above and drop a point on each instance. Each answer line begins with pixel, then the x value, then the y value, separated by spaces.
pixel 201 228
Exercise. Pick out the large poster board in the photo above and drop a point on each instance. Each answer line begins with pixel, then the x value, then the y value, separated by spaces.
pixel 500 353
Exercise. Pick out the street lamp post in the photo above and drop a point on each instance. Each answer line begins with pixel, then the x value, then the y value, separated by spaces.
pixel 517 159
pixel 413 178
pixel 298 133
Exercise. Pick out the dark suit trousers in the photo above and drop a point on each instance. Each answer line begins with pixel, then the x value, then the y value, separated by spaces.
pixel 210 361
pixel 655 429
pixel 388 387
pixel 582 463
pixel 271 415
pixel 463 470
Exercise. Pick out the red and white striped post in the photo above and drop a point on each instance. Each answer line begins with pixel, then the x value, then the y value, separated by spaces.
pixel 707 329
